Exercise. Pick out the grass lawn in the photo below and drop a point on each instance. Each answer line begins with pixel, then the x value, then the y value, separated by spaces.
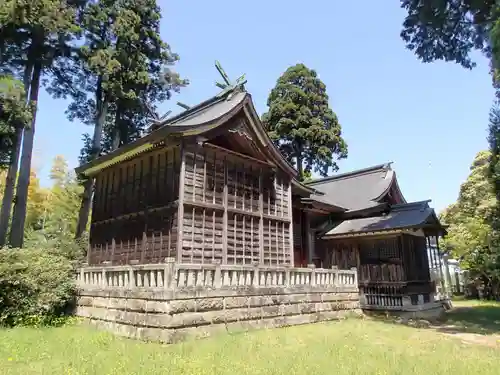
pixel 476 317
pixel 347 347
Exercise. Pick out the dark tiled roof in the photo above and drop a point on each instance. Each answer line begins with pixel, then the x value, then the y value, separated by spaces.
pixel 321 201
pixel 205 112
pixel 359 189
pixel 409 215
pixel 199 117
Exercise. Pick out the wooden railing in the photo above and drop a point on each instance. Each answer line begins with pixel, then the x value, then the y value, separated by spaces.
pixel 378 296
pixel 174 275
pixel 394 296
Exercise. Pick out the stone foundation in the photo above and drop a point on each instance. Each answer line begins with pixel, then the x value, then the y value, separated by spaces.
pixel 195 301
pixel 172 317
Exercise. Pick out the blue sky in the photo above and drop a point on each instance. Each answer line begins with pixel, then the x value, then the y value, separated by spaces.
pixel 429 119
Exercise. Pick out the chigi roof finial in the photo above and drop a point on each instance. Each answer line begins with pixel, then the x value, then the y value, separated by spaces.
pixel 228 85
pixel 153 117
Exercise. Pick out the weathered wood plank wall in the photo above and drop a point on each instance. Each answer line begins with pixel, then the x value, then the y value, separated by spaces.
pixel 236 210
pixel 134 210
pixel 232 209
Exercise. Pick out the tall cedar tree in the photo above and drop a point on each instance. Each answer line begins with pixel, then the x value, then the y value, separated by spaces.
pixel 301 123
pixel 16 139
pixel 15 114
pixel 117 70
pixel 33 35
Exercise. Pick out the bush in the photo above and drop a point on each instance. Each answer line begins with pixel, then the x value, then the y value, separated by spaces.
pixel 36 286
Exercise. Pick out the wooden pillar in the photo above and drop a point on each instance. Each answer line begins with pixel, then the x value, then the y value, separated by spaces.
pixel 224 217
pixel 430 252
pixel 290 231
pixel 308 237
pixel 261 221
pixel 427 260
pixel 180 208
pixel 89 249
pixel 404 257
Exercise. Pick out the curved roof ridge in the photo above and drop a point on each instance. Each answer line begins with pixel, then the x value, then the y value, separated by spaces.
pixel 193 111
pixel 351 174
pixel 190 111
pixel 411 205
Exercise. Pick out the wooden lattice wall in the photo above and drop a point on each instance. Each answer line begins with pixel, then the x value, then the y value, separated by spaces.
pixel 396 258
pixel 134 213
pixel 200 204
pixel 236 210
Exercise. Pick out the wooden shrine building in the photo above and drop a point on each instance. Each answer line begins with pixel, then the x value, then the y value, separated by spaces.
pixel 208 185
pixel 387 239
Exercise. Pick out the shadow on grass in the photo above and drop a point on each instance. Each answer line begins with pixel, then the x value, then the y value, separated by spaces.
pixel 483 319
pixel 474 318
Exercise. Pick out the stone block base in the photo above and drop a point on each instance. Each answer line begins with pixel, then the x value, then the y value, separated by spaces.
pixel 172 317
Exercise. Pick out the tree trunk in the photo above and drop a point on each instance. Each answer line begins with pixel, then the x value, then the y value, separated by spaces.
pixel 299 152
pixel 10 179
pixel 83 215
pixel 19 216
pixel 300 167
pixel 117 132
pixel 10 184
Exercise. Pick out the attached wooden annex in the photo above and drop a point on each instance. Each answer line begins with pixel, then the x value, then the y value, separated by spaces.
pixel 209 186
pixel 384 237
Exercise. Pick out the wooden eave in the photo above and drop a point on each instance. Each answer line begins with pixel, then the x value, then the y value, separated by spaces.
pixel 381 207
pixel 434 224
pixel 166 134
pixel 366 234
pixel 393 185
pixel 321 207
pixel 268 147
pixel 273 153
pixel 428 224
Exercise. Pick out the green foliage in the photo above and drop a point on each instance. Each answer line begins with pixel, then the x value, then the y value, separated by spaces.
pixel 494 143
pixel 122 62
pixel 301 123
pixel 450 30
pixel 34 35
pixel 53 212
pixel 471 218
pixel 14 113
pixel 37 282
pixel 36 286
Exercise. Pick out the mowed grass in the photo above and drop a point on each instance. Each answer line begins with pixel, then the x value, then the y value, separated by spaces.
pixel 482 317
pixel 352 346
